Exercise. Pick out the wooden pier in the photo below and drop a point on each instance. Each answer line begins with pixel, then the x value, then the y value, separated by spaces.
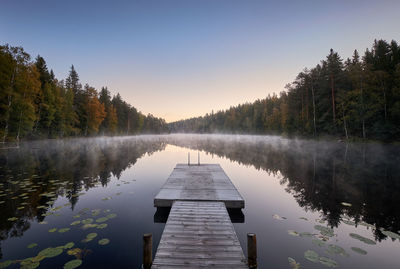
pixel 205 182
pixel 199 232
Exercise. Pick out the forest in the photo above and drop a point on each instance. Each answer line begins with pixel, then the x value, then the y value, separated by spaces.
pixel 34 104
pixel 356 98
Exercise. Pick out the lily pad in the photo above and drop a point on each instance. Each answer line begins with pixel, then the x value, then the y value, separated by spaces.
pixel 306 234
pixel 328 262
pixel 362 239
pixel 50 252
pixel 87 221
pixel 349 222
pixel 276 216
pixel 5 264
pixel 346 204
pixel 69 245
pixel 303 218
pixel 359 250
pixel 91 235
pixel 390 234
pixel 89 225
pixel 72 264
pixel 52 230
pixel 335 249
pixel 12 219
pixel 102 219
pixel 292 232
pixel 29 264
pixel 318 242
pixel 311 255
pixel 75 222
pixel 102 226
pixel 293 263
pixel 74 252
pixel 326 231
pixel 32 245
pixel 63 230
pixel 104 241
pixel 111 216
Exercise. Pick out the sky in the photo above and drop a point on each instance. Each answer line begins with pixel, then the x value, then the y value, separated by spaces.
pixel 180 59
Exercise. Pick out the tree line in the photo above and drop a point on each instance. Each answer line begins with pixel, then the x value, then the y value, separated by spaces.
pixel 34 104
pixel 354 98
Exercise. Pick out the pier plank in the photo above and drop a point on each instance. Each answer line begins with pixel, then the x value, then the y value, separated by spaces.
pixel 199 234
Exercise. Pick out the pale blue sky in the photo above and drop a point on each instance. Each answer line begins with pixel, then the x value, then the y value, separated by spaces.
pixel 178 59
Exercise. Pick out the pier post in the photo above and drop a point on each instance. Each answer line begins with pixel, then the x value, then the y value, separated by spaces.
pixel 198 158
pixel 252 250
pixel 189 158
pixel 147 251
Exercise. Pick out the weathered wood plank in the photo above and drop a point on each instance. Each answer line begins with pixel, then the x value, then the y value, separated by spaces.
pixel 199 234
pixel 205 182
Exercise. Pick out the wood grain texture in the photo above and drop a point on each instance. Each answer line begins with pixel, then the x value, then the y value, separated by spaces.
pixel 199 234
pixel 205 182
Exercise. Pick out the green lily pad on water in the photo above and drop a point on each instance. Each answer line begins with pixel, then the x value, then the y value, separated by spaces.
pixel 96 212
pixel 303 218
pixel 328 262
pixel 87 221
pixel 276 216
pixel 293 263
pixel 349 222
pixel 359 250
pixel 32 245
pixel 292 232
pixel 12 219
pixel 102 226
pixel 52 230
pixel 306 234
pixel 326 231
pixel 111 216
pixel 390 234
pixel 72 264
pixel 318 242
pixel 89 225
pixel 63 230
pixel 75 222
pixel 29 264
pixel 50 252
pixel 334 249
pixel 69 245
pixel 311 255
pixel 104 241
pixel 5 264
pixel 91 235
pixel 362 239
pixel 102 219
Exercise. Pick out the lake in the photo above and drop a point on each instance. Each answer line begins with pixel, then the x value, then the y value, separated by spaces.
pixel 92 199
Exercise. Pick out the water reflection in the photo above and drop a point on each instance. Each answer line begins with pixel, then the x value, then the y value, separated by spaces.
pixel 37 173
pixel 321 175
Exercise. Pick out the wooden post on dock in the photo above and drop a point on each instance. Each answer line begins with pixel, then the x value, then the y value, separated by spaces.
pixel 198 158
pixel 189 158
pixel 252 251
pixel 147 251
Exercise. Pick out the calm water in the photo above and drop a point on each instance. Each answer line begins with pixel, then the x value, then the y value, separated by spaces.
pixel 300 196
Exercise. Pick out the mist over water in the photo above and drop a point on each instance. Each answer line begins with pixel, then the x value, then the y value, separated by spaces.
pixel 287 184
